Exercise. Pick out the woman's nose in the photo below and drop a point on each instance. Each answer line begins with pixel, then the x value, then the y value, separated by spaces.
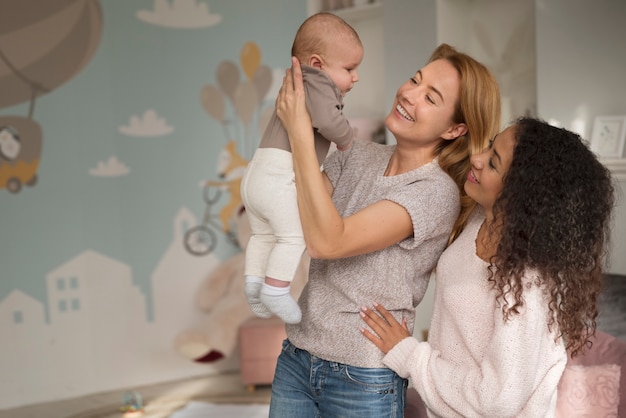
pixel 476 160
pixel 410 95
pixel 416 93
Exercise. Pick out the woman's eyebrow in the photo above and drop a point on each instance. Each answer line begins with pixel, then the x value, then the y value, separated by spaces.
pixel 431 87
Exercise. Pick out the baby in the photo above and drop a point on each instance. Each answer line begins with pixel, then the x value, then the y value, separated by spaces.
pixel 330 52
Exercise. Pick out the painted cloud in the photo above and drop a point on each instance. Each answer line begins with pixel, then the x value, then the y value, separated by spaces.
pixel 149 124
pixel 181 14
pixel 110 168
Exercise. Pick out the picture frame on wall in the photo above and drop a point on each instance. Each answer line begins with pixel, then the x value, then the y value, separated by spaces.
pixel 608 136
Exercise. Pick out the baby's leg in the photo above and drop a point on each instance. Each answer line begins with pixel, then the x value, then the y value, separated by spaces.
pixel 280 209
pixel 281 268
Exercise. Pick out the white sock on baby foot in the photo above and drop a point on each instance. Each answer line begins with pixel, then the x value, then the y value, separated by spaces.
pixel 279 301
pixel 252 291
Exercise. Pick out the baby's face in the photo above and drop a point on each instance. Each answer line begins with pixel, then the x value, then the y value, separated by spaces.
pixel 341 65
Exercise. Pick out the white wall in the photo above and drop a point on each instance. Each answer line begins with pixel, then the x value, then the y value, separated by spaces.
pixel 578 53
pixel 581 60
pixel 410 31
pixel 617 262
pixel 367 98
pixel 581 65
pixel 500 34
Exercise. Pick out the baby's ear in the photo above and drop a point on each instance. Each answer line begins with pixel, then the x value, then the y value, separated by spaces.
pixel 315 61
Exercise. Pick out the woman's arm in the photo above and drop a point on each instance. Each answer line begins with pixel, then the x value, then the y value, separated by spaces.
pixel 326 233
pixel 521 360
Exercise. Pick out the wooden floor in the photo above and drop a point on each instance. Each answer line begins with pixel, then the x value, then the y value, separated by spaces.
pixel 160 400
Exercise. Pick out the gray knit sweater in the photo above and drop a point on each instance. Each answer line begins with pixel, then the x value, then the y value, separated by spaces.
pixel 396 276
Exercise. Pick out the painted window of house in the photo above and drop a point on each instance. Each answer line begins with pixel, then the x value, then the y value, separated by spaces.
pixel 18 317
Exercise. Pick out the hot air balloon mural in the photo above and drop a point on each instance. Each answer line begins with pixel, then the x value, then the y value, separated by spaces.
pixel 237 101
pixel 43 44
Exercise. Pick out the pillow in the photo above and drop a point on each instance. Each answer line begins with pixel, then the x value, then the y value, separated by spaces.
pixel 588 391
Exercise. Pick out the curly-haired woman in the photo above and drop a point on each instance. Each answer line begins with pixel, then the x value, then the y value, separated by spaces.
pixel 517 290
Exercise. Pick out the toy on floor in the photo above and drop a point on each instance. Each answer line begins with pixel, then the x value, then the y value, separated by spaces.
pixel 222 297
pixel 132 405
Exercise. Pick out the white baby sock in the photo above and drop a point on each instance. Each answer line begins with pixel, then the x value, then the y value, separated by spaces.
pixel 279 301
pixel 252 291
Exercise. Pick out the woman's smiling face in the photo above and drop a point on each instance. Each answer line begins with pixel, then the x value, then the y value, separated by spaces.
pixel 485 179
pixel 425 105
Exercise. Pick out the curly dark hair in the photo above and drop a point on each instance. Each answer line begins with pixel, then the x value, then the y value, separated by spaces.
pixel 554 215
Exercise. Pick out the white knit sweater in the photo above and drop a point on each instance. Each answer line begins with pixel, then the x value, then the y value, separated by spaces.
pixel 475 364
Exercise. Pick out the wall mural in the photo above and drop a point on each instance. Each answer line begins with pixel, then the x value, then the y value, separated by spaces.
pixel 42 46
pixel 236 104
pixel 96 328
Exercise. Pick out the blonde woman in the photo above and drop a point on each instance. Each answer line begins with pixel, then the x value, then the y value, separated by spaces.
pixel 375 221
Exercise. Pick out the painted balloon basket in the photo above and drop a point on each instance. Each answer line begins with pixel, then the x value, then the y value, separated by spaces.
pixel 20 152
pixel 43 47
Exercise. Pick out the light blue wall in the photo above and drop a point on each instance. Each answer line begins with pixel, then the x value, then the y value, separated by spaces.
pixel 137 66
pixel 95 283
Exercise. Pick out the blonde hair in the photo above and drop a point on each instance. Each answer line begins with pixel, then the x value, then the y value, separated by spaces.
pixel 478 106
pixel 319 32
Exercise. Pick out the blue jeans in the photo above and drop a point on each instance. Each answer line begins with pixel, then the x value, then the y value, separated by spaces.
pixel 308 387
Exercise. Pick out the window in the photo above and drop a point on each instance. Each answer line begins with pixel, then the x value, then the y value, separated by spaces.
pixel 18 317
